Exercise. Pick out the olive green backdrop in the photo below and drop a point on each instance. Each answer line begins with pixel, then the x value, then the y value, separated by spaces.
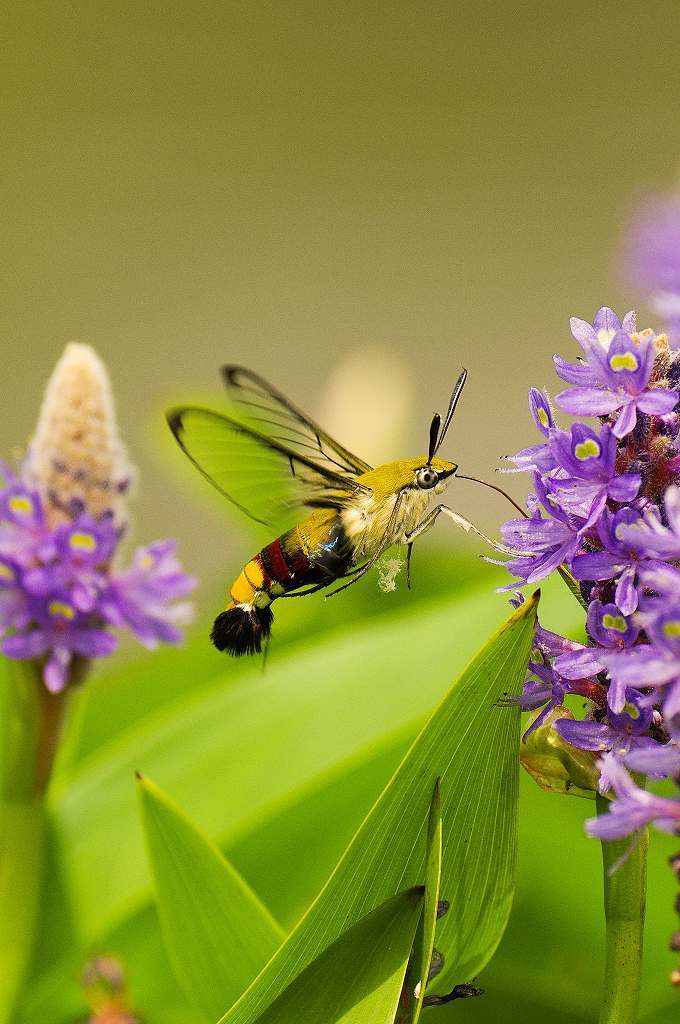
pixel 299 185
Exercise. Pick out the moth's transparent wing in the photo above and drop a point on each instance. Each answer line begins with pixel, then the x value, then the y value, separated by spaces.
pixel 271 413
pixel 262 476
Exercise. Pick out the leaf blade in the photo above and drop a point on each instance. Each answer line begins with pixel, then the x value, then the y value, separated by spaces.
pixel 433 878
pixel 373 863
pixel 217 932
pixel 359 977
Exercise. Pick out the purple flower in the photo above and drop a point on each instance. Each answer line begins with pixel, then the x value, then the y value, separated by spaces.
pixel 540 545
pixel 539 456
pixel 600 332
pixel 618 379
pixel 619 733
pixel 634 808
pixel 623 556
pixel 659 760
pixel 610 629
pixel 58 592
pixel 57 632
pixel 589 459
pixel 651 254
pixel 542 688
pixel 139 598
pixel 647 532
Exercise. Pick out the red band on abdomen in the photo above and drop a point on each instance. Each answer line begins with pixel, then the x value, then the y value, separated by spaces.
pixel 274 562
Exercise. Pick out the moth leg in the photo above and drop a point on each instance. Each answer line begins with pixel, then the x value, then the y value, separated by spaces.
pixel 409 553
pixel 431 518
pixel 356 575
pixel 423 526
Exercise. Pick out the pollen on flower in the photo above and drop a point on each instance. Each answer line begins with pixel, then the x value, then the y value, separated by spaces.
pixel 388 570
pixel 76 460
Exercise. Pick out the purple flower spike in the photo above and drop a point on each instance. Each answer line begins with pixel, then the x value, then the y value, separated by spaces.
pixel 606 506
pixel 61 520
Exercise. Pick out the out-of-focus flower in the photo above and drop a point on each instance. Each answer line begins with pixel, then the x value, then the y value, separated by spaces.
pixel 62 517
pixel 651 256
pixel 103 981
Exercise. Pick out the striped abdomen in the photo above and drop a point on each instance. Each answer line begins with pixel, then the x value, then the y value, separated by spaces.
pixel 314 553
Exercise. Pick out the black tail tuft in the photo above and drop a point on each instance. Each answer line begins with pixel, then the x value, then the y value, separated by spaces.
pixel 241 629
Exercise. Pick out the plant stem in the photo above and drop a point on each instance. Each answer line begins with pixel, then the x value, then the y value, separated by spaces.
pixel 625 889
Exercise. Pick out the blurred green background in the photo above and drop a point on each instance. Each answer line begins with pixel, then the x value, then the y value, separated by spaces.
pixel 289 185
pixel 353 199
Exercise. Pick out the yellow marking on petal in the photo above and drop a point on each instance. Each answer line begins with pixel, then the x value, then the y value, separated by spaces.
pixel 61 609
pixel 543 418
pixel 5 572
pixel 638 525
pixel 82 542
pixel 631 710
pixel 616 622
pixel 21 504
pixel 146 562
pixel 589 449
pixel 672 628
pixel 624 361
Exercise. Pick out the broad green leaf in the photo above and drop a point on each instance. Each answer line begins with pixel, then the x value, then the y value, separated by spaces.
pixel 359 978
pixel 217 932
pixel 433 878
pixel 337 700
pixel 366 714
pixel 470 744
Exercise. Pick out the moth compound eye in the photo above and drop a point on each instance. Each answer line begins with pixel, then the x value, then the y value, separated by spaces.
pixel 426 478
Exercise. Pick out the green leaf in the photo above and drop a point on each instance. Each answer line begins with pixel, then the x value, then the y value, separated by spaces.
pixel 339 700
pixel 433 877
pixel 353 699
pixel 470 744
pixel 359 978
pixel 217 932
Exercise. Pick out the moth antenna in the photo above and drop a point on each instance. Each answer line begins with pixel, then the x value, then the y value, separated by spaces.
pixel 493 487
pixel 453 402
pixel 434 434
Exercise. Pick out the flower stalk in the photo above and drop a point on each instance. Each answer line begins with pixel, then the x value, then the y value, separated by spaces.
pixel 625 887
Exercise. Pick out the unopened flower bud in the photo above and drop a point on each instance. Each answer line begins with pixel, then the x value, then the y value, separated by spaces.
pixel 76 460
pixel 554 764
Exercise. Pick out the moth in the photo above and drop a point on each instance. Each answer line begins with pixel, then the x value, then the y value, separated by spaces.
pixel 274 460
